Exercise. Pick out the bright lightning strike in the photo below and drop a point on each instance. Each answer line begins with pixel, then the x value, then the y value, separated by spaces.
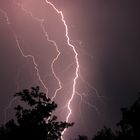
pixel 41 21
pixel 24 55
pixel 76 57
pixel 34 62
pixel 55 59
pixel 77 75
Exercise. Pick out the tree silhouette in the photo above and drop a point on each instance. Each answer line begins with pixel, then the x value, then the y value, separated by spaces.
pixel 128 128
pixel 35 121
pixel 104 134
pixel 130 122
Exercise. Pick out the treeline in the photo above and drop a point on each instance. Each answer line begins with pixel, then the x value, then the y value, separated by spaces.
pixel 128 128
pixel 37 122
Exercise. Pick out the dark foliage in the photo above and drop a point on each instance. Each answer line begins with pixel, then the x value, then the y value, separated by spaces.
pixel 104 134
pixel 130 122
pixel 128 127
pixel 36 121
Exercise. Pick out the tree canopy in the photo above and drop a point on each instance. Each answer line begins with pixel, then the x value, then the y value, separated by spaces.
pixel 128 128
pixel 35 121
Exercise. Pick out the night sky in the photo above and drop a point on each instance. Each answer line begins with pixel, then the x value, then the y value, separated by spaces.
pixel 106 36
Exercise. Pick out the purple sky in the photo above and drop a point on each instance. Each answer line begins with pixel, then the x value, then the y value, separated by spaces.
pixel 106 37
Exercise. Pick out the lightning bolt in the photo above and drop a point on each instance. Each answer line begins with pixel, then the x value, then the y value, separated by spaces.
pixel 55 59
pixel 24 55
pixel 76 60
pixel 76 57
pixel 41 21
pixel 34 62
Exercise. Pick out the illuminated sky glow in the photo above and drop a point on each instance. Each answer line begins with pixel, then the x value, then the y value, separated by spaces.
pixel 77 65
pixel 83 54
